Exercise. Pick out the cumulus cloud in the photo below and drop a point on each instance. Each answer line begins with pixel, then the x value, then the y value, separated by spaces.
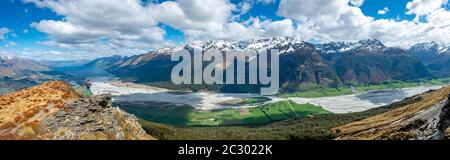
pixel 133 26
pixel 264 1
pixel 424 7
pixel 192 15
pixel 3 32
pixel 90 20
pixel 215 21
pixel 101 26
pixel 244 7
pixel 330 20
pixel 325 20
pixel 383 11
pixel 357 2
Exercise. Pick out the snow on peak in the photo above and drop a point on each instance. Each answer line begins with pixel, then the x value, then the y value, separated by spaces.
pixel 6 57
pixel 284 44
pixel 430 47
pixel 347 46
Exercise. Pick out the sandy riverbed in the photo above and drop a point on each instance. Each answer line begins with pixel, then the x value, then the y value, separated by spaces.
pixel 211 101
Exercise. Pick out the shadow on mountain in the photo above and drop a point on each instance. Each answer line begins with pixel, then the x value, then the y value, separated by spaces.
pixel 157 107
pixel 387 96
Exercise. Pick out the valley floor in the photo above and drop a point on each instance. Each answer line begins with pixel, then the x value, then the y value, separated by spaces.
pixel 222 109
pixel 317 127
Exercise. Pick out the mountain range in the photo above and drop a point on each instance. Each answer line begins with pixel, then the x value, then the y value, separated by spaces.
pixel 18 73
pixel 302 64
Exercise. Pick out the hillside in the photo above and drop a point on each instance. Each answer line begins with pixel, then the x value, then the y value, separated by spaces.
pixel 427 118
pixel 19 68
pixel 55 111
pixel 302 65
pixel 396 121
pixel 18 73
pixel 8 85
pixel 317 127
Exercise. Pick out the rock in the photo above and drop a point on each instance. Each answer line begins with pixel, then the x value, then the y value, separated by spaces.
pixel 104 100
pixel 69 117
pixel 97 120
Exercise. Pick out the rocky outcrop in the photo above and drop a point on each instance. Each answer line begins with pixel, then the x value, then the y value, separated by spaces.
pixel 443 125
pixel 426 119
pixel 82 119
pixel 56 112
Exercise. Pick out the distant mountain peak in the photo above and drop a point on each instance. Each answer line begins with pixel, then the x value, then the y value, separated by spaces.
pixel 284 44
pixel 6 57
pixel 350 46
pixel 430 47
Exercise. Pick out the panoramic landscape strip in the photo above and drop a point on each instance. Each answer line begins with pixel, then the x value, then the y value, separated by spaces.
pixel 224 70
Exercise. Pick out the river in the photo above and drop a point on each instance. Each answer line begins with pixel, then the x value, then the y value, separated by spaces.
pixel 211 101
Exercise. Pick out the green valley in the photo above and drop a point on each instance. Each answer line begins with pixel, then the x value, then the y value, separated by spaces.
pixel 189 116
pixel 315 91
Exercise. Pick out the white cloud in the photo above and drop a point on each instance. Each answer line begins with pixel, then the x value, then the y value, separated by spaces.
pixel 132 26
pixel 383 11
pixel 192 17
pixel 264 1
pixel 90 22
pixel 325 20
pixel 276 28
pixel 244 7
pixel 330 20
pixel 87 20
pixel 3 32
pixel 215 21
pixel 10 43
pixel 357 2
pixel 424 7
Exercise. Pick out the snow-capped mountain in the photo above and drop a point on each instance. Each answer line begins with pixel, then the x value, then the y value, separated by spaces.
pixel 300 63
pixel 284 44
pixel 351 46
pixel 22 68
pixel 430 48
pixel 6 57
pixel 434 55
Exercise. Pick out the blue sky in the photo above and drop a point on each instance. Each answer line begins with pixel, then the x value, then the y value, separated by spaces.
pixel 54 30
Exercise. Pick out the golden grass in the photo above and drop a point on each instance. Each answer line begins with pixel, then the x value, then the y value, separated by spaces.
pixel 19 107
pixel 376 126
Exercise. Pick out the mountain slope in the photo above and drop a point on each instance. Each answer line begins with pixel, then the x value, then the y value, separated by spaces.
pixel 378 66
pixel 428 118
pixel 434 55
pixel 302 64
pixel 18 73
pixel 19 68
pixel 55 111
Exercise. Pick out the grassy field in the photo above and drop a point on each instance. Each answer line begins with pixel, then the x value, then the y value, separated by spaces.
pixel 188 116
pixel 303 128
pixel 345 90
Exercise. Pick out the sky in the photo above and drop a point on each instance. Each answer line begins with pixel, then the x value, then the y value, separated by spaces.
pixel 87 29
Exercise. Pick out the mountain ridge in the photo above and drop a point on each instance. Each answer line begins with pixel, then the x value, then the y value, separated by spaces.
pixel 54 110
pixel 314 64
pixel 427 118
